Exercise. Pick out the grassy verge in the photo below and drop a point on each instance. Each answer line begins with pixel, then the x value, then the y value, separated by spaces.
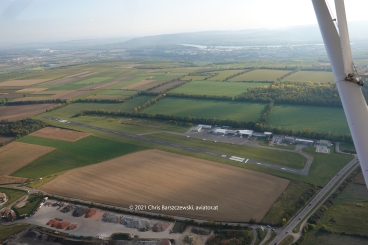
pixel 273 235
pixel 260 235
pixel 325 238
pixel 290 201
pixel 32 202
pixel 8 230
pixel 12 194
pixel 287 241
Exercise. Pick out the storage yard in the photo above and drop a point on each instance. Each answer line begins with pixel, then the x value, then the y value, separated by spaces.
pixel 154 177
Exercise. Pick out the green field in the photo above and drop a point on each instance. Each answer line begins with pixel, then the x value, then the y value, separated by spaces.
pixel 94 80
pixel 216 88
pixel 311 76
pixel 69 155
pixel 8 230
pixel 288 159
pixel 261 75
pixel 222 75
pixel 324 238
pixel 285 206
pixel 12 194
pixel 347 147
pixel 233 110
pixel 324 166
pixel 349 213
pixel 318 119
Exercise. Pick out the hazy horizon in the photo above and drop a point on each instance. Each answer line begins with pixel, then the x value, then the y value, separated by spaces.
pixel 25 21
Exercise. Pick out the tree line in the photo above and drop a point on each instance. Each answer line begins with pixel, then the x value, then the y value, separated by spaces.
pixel 150 102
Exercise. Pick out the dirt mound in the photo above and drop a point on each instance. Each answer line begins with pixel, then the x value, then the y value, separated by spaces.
pixel 51 221
pixel 62 225
pixel 140 224
pixel 164 242
pixel 80 211
pixel 200 231
pixel 68 208
pixel 90 213
pixel 55 224
pixel 72 227
pixel 160 226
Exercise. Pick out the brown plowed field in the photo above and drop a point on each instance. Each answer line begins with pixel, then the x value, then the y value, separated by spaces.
pixel 138 84
pixel 53 95
pixel 5 180
pixel 17 155
pixel 60 134
pixel 17 83
pixel 11 96
pixel 16 112
pixel 166 86
pixel 155 177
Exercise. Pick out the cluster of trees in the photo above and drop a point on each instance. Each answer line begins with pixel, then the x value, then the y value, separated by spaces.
pixel 294 93
pixel 268 112
pixel 19 128
pixel 257 126
pixel 230 237
pixel 150 102
pixel 181 123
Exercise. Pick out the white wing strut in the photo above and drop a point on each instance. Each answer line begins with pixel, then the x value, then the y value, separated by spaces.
pixel 339 54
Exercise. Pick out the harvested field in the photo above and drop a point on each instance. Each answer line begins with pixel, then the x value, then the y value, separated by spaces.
pixel 166 86
pixel 73 94
pixel 30 90
pixel 171 179
pixel 105 85
pixel 71 227
pixel 60 134
pixel 63 81
pixel 17 155
pixel 16 112
pixel 160 226
pixel 79 74
pixel 4 180
pixel 90 213
pixel 138 84
pixel 18 83
pixel 149 85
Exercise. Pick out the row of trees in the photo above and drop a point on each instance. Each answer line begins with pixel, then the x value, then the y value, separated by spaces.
pixel 257 126
pixel 267 112
pixel 237 74
pixel 150 102
pixel 286 75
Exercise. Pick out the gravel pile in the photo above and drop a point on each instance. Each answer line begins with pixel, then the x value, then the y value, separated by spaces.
pixel 68 208
pixel 137 223
pixel 80 211
pixel 110 218
pixel 160 226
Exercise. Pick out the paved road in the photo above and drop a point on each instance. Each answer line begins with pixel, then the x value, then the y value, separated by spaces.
pixel 337 148
pixel 303 171
pixel 314 203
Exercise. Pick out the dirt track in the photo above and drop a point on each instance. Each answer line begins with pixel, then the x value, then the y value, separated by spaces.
pixel 154 177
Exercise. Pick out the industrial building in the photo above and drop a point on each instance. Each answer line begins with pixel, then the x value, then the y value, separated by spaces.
pixel 304 142
pixel 200 126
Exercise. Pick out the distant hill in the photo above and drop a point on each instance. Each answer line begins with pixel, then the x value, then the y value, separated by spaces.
pixel 292 35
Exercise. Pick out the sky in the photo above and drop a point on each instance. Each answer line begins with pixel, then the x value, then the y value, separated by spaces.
pixel 60 20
